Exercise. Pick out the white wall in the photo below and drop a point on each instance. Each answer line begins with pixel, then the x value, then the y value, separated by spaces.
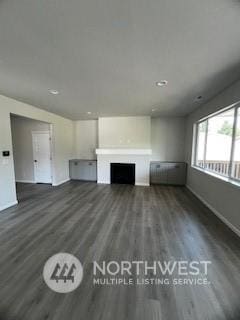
pixel 62 145
pixel 86 139
pixel 125 132
pixel 168 139
pixel 22 129
pixel 167 136
pixel 222 196
pixel 129 133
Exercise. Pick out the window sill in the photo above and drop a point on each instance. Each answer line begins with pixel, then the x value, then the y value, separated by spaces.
pixel 218 176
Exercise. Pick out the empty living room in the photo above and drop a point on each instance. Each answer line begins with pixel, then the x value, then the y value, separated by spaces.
pixel 119 160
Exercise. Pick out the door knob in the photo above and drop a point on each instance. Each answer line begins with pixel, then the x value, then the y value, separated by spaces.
pixel 35 160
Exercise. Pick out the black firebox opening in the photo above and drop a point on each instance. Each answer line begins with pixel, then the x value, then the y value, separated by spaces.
pixel 123 173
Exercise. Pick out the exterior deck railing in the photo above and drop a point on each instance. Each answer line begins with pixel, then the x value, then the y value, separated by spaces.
pixel 221 167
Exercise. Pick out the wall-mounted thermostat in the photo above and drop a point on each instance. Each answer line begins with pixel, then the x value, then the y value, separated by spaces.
pixel 6 153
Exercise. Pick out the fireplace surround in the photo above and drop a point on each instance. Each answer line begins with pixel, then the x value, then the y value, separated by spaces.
pixel 139 157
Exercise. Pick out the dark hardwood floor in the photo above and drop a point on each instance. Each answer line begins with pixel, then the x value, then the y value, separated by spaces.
pixel 115 222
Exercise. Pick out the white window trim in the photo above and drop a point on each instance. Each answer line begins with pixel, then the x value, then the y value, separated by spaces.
pixel 227 178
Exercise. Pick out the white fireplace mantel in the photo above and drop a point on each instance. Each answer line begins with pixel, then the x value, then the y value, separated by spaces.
pixel 120 151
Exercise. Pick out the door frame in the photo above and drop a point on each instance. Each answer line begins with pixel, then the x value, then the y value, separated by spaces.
pixel 51 151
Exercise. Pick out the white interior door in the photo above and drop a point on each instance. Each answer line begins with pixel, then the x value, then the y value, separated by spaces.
pixel 42 157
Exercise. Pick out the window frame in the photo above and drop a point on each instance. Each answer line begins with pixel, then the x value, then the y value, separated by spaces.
pixel 229 176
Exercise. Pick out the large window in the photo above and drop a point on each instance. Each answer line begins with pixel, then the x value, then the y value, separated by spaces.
pixel 236 149
pixel 217 144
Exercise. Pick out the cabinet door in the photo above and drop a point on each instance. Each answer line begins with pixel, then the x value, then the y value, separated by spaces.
pixel 86 170
pixel 90 171
pixel 74 169
pixel 176 173
pixel 83 170
pixel 159 173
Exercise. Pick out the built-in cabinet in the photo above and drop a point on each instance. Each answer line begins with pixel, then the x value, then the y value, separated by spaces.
pixel 173 173
pixel 83 169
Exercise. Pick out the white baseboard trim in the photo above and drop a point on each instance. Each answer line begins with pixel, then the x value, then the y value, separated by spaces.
pixel 217 213
pixel 142 184
pixel 8 205
pixel 61 182
pixel 25 181
pixel 103 182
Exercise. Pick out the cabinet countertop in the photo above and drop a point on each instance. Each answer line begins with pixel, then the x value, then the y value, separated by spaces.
pixel 83 160
pixel 155 161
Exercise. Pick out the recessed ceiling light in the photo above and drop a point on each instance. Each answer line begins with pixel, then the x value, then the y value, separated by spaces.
pixel 161 83
pixel 198 98
pixel 89 112
pixel 52 91
pixel 153 110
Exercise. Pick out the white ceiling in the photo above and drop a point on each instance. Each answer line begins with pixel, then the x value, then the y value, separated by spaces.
pixel 105 56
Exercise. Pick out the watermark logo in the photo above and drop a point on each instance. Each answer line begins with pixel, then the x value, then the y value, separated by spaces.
pixel 63 272
pixel 176 272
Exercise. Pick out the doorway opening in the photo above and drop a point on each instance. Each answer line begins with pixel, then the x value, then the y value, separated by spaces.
pixel 32 152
